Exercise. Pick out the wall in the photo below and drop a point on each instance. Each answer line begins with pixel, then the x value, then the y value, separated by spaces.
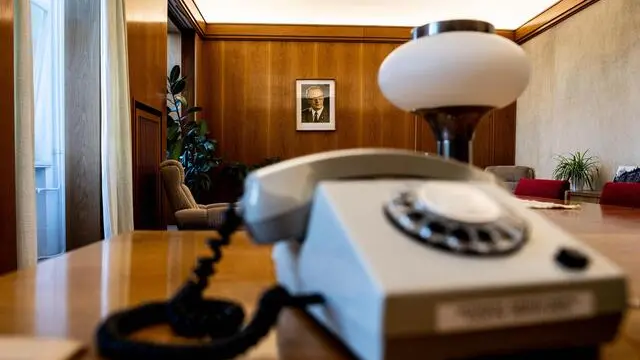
pixel 8 251
pixel 199 72
pixel 584 92
pixel 247 89
pixel 174 50
pixel 250 98
pixel 147 47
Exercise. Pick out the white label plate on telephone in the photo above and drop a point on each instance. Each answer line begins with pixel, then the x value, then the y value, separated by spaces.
pixel 510 311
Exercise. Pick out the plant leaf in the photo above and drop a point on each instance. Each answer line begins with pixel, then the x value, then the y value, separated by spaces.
pixel 178 86
pixel 174 74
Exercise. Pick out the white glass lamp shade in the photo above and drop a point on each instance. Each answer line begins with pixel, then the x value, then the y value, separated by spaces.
pixel 458 68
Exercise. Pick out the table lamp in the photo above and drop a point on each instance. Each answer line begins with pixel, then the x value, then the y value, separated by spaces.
pixel 452 73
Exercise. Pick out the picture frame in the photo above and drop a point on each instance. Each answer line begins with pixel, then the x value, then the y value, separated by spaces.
pixel 315 104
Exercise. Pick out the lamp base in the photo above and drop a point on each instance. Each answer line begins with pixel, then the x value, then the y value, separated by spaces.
pixel 454 128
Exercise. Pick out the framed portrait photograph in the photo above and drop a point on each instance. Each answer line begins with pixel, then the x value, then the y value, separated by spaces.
pixel 316 105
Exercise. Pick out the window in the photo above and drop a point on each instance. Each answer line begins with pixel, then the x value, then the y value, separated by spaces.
pixel 48 77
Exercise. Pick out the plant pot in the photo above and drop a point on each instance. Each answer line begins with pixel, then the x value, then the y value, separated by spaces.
pixel 577 184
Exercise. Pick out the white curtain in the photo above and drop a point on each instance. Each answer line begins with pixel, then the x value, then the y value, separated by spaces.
pixel 26 220
pixel 117 179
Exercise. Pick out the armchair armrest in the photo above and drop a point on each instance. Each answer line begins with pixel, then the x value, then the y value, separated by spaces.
pixel 214 206
pixel 200 219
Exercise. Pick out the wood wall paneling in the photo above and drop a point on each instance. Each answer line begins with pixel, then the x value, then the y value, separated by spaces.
pixel 493 142
pixel 425 140
pixel 504 135
pixel 82 126
pixel 250 98
pixel 8 246
pixel 188 38
pixel 549 18
pixel 384 125
pixel 147 140
pixel 200 82
pixel 147 47
pixel 483 142
pixel 327 33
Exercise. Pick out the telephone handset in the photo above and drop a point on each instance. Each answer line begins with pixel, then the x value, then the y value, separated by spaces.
pixel 277 199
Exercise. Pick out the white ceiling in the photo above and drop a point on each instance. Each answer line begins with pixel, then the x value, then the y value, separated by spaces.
pixel 503 14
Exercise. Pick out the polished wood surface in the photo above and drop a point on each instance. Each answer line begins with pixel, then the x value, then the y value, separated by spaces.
pixel 549 18
pixel 247 89
pixel 8 245
pixel 330 33
pixel 147 194
pixel 83 173
pixel 69 295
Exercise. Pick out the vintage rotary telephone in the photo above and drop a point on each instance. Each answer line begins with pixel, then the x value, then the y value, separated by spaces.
pixel 398 254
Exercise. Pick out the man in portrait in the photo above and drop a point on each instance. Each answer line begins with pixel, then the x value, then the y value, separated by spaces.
pixel 318 111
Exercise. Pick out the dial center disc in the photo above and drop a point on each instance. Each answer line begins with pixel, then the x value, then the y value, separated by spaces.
pixel 457 201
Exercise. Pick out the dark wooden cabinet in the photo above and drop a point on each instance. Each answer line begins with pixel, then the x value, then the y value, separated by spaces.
pixel 147 156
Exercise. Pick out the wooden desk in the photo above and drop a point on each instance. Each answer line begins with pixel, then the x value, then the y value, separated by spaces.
pixel 67 296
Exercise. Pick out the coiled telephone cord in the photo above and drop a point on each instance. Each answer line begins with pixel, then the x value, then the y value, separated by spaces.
pixel 190 315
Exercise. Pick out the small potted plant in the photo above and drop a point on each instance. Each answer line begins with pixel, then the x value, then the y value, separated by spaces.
pixel 579 168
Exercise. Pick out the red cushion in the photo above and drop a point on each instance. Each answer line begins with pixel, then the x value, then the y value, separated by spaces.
pixel 543 188
pixel 621 194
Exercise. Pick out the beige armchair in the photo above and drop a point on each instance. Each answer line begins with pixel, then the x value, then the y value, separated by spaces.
pixel 188 213
pixel 511 174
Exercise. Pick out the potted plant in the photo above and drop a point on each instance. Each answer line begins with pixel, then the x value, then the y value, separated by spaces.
pixel 187 139
pixel 579 168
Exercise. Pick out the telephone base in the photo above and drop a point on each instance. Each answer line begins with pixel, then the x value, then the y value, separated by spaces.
pixel 553 341
pixel 388 296
pixel 401 349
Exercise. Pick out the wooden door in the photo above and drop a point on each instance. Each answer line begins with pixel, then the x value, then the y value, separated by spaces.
pixel 147 155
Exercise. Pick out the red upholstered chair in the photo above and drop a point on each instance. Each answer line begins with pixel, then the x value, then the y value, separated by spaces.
pixel 542 188
pixel 621 194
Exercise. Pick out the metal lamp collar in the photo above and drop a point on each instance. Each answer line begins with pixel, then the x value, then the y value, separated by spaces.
pixel 440 27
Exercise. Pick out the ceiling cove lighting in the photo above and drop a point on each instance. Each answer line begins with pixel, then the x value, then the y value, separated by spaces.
pixel 503 14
